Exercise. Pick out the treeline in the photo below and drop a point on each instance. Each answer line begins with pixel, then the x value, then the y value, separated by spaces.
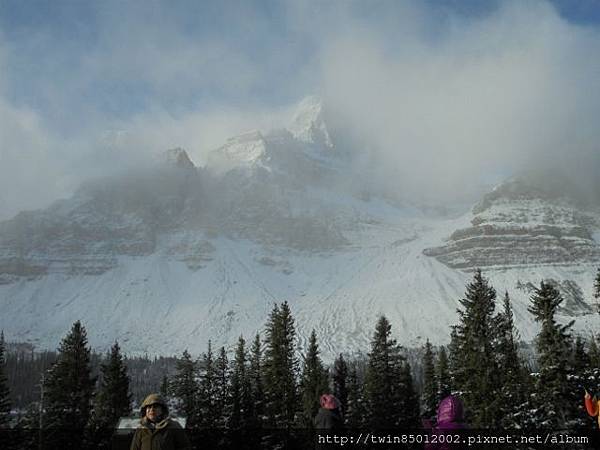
pixel 266 385
pixel 24 368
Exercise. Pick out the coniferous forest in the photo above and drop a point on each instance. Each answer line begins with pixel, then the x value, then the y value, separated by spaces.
pixel 265 394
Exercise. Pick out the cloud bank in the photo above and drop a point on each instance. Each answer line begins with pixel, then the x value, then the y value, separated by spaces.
pixel 438 99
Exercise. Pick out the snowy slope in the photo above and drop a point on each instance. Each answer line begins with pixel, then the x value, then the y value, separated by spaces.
pixel 167 259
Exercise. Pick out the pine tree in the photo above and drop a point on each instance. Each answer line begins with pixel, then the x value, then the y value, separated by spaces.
pixel 4 391
pixel 68 392
pixel 242 409
pixel 597 290
pixel 455 361
pixel 594 352
pixel 473 364
pixel 354 415
pixel 340 378
pixel 185 387
pixel 164 387
pixel 409 400
pixel 429 397
pixel 222 389
pixel 388 382
pixel 207 392
pixel 443 374
pixel 112 401
pixel 512 382
pixel 553 347
pixel 578 378
pixel 281 369
pixel 314 381
pixel 255 377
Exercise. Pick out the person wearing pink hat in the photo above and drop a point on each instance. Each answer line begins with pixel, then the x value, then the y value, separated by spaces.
pixel 329 416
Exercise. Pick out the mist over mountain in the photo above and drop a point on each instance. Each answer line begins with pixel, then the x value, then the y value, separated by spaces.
pixel 296 214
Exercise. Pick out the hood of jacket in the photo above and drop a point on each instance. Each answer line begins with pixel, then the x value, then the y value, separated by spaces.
pixel 154 399
pixel 450 411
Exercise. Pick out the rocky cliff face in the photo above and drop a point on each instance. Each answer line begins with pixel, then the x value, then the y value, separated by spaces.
pixel 521 225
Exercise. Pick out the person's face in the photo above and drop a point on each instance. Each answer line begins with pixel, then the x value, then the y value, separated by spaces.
pixel 153 412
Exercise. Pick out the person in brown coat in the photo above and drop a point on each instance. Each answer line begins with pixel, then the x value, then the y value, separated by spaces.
pixel 157 431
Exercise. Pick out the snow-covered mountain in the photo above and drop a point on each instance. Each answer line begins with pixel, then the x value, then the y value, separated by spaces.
pixel 166 258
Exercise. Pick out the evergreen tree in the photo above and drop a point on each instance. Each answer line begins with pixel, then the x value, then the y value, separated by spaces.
pixel 68 391
pixel 242 409
pixel 207 393
pixel 512 379
pixel 579 376
pixel 112 401
pixel 281 369
pixel 388 383
pixel 164 387
pixel 222 389
pixel 592 373
pixel 553 347
pixel 354 415
pixel 473 363
pixel 340 377
pixel 594 352
pixel 455 362
pixel 430 397
pixel 314 381
pixel 409 400
pixel 443 374
pixel 255 377
pixel 597 290
pixel 4 392
pixel 185 388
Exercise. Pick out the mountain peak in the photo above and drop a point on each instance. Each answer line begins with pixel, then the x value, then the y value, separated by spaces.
pixel 308 124
pixel 243 150
pixel 177 157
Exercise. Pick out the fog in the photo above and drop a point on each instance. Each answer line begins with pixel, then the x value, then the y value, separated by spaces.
pixel 440 101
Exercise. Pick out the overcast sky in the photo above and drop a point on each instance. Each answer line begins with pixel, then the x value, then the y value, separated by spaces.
pixel 440 89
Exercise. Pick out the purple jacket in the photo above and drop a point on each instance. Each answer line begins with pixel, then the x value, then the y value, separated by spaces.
pixel 449 418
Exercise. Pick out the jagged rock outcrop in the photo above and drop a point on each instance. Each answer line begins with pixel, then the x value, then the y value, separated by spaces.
pixel 519 224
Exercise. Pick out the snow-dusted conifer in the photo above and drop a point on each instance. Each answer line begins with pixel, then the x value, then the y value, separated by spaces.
pixel 207 394
pixel 512 378
pixel 429 397
pixel 4 392
pixel 474 366
pixel 112 401
pixel 354 415
pixel 185 387
pixel 313 382
pixel 340 380
pixel 242 408
pixel 222 389
pixel 388 382
pixel 442 371
pixel 597 290
pixel 68 391
pixel 281 369
pixel 255 378
pixel 553 345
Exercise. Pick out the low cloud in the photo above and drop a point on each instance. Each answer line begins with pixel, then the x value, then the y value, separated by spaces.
pixel 515 90
pixel 438 101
